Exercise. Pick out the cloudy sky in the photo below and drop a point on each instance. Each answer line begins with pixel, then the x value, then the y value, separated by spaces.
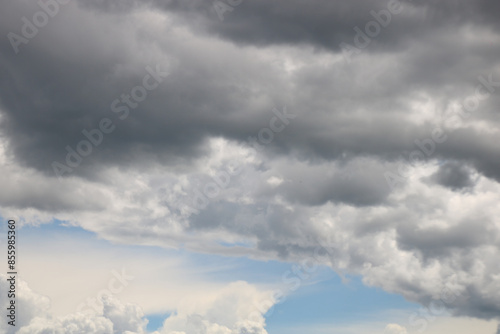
pixel 252 166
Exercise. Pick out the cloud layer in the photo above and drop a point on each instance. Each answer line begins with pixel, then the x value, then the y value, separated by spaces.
pixel 263 139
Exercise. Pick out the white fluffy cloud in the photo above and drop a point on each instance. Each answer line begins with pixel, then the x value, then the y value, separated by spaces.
pixel 395 329
pixel 34 317
pixel 237 308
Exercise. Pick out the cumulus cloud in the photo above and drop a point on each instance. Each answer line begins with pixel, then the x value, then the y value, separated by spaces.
pixel 30 303
pixel 190 165
pixel 395 329
pixel 237 308
pixel 34 316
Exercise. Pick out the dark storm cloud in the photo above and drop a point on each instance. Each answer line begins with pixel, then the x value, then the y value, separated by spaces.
pixel 453 175
pixel 316 186
pixel 320 178
pixel 327 24
pixel 53 96
pixel 72 90
pixel 433 242
pixel 49 97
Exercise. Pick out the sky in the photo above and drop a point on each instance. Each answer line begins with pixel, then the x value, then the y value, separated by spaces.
pixel 251 166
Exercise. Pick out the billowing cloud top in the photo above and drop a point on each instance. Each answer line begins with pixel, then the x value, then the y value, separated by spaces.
pixel 231 311
pixel 362 134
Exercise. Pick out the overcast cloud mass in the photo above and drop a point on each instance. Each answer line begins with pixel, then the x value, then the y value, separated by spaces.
pixel 277 130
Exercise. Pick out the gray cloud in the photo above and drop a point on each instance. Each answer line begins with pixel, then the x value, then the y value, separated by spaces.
pixel 321 178
pixel 453 175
